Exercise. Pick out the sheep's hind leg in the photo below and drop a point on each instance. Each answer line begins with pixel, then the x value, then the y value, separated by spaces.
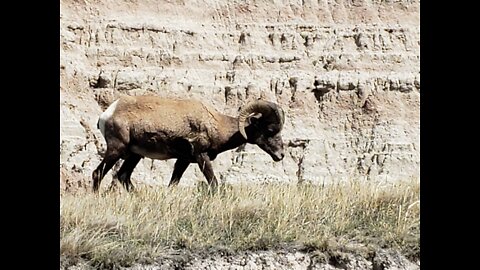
pixel 126 170
pixel 205 165
pixel 102 169
pixel 180 167
pixel 115 149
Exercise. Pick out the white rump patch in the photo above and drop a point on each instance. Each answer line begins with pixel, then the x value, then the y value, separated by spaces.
pixel 107 114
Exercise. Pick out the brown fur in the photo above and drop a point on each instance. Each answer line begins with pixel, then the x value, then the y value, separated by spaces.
pixel 162 128
pixel 137 118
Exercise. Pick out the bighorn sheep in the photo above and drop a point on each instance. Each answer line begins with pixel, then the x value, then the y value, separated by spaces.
pixel 159 128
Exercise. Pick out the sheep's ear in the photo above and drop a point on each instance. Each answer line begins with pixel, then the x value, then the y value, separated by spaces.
pixel 253 118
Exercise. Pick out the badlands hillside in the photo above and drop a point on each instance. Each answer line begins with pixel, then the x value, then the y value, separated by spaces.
pixel 347 74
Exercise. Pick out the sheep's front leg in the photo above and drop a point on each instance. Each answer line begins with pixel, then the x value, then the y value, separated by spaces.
pixel 205 165
pixel 180 167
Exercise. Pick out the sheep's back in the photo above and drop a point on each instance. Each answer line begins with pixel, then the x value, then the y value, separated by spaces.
pixel 172 117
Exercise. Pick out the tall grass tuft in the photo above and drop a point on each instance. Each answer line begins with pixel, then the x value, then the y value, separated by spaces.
pixel 121 228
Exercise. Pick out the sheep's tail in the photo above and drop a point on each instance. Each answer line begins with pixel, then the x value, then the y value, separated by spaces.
pixel 105 116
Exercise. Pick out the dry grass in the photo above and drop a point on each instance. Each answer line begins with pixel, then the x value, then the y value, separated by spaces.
pixel 120 228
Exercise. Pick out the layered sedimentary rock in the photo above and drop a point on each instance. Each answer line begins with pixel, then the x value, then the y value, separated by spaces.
pixel 346 73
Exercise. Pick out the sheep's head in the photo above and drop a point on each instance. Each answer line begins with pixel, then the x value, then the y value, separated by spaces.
pixel 265 121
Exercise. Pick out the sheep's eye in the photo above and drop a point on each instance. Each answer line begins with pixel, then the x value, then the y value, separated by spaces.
pixel 270 131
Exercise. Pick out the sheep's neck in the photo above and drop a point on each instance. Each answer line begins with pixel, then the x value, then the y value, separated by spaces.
pixel 232 138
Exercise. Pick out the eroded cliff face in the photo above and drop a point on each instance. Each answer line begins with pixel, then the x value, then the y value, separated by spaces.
pixel 347 74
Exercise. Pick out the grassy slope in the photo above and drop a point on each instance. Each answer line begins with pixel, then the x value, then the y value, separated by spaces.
pixel 120 228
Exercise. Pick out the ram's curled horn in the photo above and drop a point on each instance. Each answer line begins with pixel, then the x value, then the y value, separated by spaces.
pixel 270 111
